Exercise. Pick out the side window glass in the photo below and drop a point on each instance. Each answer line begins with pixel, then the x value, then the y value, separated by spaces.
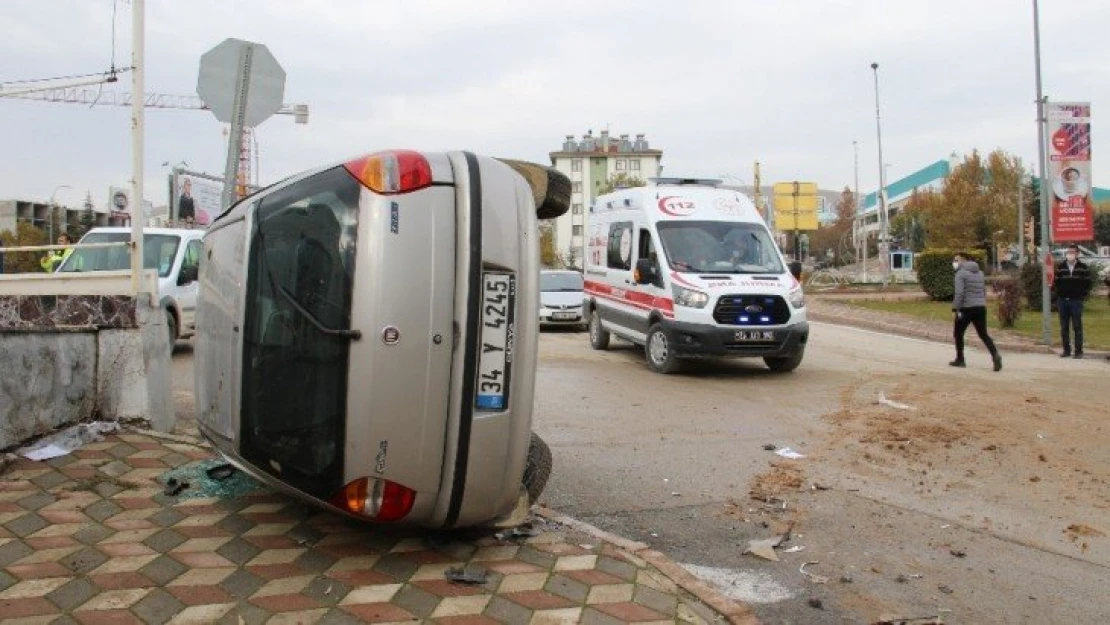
pixel 647 248
pixel 620 246
pixel 192 254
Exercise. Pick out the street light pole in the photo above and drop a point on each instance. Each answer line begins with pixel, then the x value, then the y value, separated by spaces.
pixel 1046 305
pixel 53 210
pixel 861 237
pixel 884 259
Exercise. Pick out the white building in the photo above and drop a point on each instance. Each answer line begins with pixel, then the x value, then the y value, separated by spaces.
pixel 590 163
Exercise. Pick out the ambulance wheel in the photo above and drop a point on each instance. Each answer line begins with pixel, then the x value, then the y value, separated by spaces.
pixel 659 351
pixel 537 468
pixel 784 364
pixel 599 336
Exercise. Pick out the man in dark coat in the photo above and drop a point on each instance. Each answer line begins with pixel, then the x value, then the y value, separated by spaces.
pixel 1073 284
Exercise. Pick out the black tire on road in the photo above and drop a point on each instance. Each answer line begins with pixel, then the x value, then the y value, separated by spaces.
pixel 537 468
pixel 659 351
pixel 784 364
pixel 599 336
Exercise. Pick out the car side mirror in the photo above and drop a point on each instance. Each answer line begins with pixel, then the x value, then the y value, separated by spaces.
pixel 187 274
pixel 647 272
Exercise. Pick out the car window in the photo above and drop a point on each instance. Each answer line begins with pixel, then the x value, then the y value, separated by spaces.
pixel 159 251
pixel 619 254
pixel 719 247
pixel 550 282
pixel 192 254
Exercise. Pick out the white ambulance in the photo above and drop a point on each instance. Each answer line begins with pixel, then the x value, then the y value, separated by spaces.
pixel 688 269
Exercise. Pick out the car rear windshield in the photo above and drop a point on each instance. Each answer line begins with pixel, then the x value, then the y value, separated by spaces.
pixel 560 282
pixel 159 251
pixel 719 247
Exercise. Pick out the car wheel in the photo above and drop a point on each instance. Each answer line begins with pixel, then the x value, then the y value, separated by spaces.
pixel 660 354
pixel 171 325
pixel 784 364
pixel 599 336
pixel 537 468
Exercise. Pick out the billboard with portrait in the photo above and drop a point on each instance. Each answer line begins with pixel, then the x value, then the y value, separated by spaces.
pixel 1069 150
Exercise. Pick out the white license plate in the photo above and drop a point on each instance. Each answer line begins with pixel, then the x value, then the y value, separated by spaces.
pixel 564 315
pixel 496 359
pixel 755 335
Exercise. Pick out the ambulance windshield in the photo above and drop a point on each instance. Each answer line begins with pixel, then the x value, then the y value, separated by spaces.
pixel 719 247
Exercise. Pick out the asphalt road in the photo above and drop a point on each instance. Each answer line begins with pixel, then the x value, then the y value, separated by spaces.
pixel 671 461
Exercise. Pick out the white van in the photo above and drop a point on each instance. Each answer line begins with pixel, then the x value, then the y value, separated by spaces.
pixel 688 269
pixel 173 252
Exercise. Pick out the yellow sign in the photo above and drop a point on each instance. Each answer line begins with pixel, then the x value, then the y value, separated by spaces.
pixel 795 202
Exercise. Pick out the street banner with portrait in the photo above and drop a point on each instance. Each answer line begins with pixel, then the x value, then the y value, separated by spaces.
pixel 196 198
pixel 1069 149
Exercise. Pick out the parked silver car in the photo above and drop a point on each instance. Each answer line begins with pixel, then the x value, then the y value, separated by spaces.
pixel 367 336
pixel 561 298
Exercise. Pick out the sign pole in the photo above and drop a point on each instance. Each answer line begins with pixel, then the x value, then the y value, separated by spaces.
pixel 235 139
pixel 797 250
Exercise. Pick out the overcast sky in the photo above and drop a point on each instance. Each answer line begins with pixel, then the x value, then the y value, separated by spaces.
pixel 715 85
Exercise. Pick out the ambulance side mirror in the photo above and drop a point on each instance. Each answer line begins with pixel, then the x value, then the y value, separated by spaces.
pixel 646 272
pixel 550 187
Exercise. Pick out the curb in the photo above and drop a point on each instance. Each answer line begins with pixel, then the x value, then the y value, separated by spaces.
pixel 939 337
pixel 736 612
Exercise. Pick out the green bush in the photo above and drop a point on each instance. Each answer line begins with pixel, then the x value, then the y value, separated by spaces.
pixel 935 273
pixel 1031 285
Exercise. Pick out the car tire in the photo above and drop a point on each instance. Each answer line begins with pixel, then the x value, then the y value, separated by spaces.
pixel 659 351
pixel 537 468
pixel 171 325
pixel 784 364
pixel 599 336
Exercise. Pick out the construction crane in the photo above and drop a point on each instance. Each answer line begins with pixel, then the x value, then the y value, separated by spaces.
pixel 82 93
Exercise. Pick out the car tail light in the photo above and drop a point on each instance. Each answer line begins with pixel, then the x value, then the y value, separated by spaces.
pixel 395 171
pixel 380 500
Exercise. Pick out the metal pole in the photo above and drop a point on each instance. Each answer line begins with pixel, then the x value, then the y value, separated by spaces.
pixel 1021 214
pixel 235 139
pixel 138 18
pixel 1046 305
pixel 884 260
pixel 797 248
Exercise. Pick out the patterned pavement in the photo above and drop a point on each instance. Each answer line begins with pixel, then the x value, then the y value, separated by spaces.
pixel 91 538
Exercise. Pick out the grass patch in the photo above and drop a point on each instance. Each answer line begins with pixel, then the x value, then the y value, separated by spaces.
pixel 1096 318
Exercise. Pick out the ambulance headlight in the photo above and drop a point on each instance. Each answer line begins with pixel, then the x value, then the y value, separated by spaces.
pixel 797 298
pixel 689 297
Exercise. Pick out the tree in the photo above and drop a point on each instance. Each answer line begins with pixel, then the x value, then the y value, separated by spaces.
pixel 620 180
pixel 1102 228
pixel 976 206
pixel 25 235
pixel 837 236
pixel 88 217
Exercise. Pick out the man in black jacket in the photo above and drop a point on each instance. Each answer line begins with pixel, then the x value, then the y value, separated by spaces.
pixel 1072 283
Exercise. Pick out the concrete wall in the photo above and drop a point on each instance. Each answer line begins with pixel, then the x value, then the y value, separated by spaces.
pixel 67 357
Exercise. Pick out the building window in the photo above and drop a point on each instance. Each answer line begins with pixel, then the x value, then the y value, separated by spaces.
pixel 576 209
pixel 634 165
pixel 576 164
pixel 576 187
pixel 620 164
pixel 576 231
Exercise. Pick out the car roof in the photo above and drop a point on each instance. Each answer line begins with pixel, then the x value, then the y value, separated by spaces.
pixel 181 232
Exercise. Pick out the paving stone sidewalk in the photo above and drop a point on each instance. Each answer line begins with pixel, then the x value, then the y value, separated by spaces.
pixel 91 538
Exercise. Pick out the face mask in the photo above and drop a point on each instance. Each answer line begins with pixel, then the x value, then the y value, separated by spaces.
pixel 1071 258
pixel 955 264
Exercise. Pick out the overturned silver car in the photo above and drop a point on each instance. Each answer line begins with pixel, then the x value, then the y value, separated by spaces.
pixel 366 336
